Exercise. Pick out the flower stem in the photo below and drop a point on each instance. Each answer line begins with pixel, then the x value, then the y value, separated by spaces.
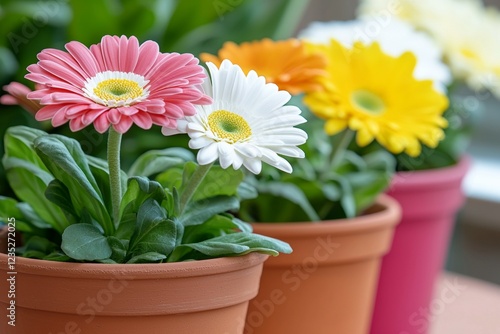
pixel 194 182
pixel 339 147
pixel 114 143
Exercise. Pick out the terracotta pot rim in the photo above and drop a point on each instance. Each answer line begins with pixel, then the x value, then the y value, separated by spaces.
pixel 424 178
pixel 379 216
pixel 140 271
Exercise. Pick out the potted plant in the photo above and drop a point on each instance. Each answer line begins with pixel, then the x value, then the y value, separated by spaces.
pixel 329 282
pixel 436 178
pixel 155 249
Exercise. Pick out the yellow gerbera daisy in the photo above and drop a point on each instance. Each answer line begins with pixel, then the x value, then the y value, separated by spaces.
pixel 377 95
pixel 284 63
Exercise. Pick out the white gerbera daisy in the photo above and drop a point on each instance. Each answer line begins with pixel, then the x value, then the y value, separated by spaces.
pixel 395 38
pixel 471 50
pixel 247 123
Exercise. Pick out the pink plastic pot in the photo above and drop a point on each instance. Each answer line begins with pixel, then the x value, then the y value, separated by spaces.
pixel 430 200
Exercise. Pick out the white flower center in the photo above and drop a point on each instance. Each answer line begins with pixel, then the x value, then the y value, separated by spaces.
pixel 229 126
pixel 116 89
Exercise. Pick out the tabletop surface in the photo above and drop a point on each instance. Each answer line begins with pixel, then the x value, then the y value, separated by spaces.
pixel 464 305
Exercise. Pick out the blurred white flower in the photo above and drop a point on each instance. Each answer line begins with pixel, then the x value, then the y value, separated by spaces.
pixel 247 123
pixel 395 38
pixel 466 31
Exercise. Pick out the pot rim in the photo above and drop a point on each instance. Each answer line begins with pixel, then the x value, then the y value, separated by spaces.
pixel 385 212
pixel 437 177
pixel 139 271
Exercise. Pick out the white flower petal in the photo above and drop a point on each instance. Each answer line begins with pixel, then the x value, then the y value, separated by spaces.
pixel 226 154
pixel 395 38
pixel 247 123
pixel 253 165
pixel 281 164
pixel 208 154
pixel 249 151
pixel 290 151
pixel 200 142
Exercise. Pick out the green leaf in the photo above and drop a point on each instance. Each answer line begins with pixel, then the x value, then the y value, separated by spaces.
pixel 154 231
pixel 158 161
pixel 214 227
pixel 57 256
pixel 31 216
pixel 171 178
pixel 150 257
pixel 85 242
pixel 235 244
pixel 139 189
pixel 198 212
pixel 8 209
pixel 290 192
pixel 218 182
pixel 58 194
pixel 118 248
pixel 28 176
pixel 67 162
pixel 247 191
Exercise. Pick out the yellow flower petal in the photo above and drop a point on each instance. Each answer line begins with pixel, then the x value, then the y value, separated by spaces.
pixel 334 126
pixel 376 95
pixel 363 137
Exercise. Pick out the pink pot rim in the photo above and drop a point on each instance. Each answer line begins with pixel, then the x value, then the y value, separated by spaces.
pixel 439 177
pixel 140 271
pixel 380 216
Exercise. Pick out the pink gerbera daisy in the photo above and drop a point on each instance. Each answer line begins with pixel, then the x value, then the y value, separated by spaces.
pixel 18 95
pixel 116 82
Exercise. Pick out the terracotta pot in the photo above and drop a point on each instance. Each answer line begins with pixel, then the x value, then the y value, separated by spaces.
pixel 430 200
pixel 327 285
pixel 209 296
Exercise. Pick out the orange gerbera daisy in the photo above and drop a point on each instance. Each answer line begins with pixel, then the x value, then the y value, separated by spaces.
pixel 285 63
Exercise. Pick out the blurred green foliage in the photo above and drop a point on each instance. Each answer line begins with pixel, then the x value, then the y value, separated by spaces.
pixel 195 26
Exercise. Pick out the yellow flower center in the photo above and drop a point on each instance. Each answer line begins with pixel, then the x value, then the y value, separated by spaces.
pixel 367 101
pixel 118 90
pixel 229 126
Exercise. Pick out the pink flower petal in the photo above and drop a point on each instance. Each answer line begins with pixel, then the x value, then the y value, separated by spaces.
pixel 90 116
pixel 47 112
pixel 67 98
pixel 61 76
pixel 143 120
pixel 83 57
pixel 109 49
pixel 114 116
pixel 129 53
pixel 101 124
pixel 162 120
pixel 124 124
pixel 77 110
pixel 8 100
pixel 148 53
pixel 62 73
pixel 59 117
pixel 76 124
pixel 96 52
pixel 62 58
pixel 128 111
pixel 174 110
pixel 152 106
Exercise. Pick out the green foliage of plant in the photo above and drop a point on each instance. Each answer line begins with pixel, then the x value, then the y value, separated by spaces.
pixel 312 193
pixel 158 221
pixel 195 26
